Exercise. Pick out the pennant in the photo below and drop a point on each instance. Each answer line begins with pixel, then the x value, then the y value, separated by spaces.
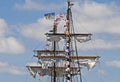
pixel 51 31
pixel 67 62
pixel 58 19
pixel 67 57
pixel 40 62
pixel 66 50
pixel 55 25
pixel 65 25
pixel 66 32
pixel 41 74
pixel 68 76
pixel 61 15
pixel 66 44
pixel 67 69
pixel 47 44
pixel 50 16
pixel 67 21
pixel 68 80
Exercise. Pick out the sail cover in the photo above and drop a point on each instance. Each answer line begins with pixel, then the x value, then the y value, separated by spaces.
pixel 46 67
pixel 60 71
pixel 79 37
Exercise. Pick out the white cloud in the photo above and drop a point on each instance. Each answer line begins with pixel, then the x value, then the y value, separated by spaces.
pixel 3 27
pixel 115 63
pixel 97 17
pixel 38 29
pixel 101 72
pixel 7 68
pixel 33 64
pixel 99 44
pixel 94 9
pixel 9 44
pixel 35 5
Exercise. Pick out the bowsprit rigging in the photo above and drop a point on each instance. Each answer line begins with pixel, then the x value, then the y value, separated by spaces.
pixel 62 65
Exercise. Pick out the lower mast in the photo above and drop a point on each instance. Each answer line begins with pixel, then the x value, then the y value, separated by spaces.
pixel 54 49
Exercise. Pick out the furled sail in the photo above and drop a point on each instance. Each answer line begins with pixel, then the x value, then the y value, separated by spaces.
pixel 60 71
pixel 78 37
pixel 46 67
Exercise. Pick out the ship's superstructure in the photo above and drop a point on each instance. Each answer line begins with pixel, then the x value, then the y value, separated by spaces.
pixel 63 65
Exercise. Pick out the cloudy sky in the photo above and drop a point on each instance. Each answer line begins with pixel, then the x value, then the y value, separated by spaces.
pixel 22 28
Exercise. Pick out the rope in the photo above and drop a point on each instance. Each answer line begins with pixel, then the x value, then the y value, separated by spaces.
pixel 76 48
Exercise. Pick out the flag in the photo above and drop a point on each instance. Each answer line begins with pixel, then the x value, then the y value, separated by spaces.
pixel 50 16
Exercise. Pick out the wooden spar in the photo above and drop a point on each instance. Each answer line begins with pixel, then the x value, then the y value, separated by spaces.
pixel 50 67
pixel 63 57
pixel 49 51
pixel 72 35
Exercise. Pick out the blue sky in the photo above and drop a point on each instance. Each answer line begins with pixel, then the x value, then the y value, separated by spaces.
pixel 22 27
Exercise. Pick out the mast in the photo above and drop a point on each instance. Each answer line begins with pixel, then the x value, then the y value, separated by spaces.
pixel 54 49
pixel 64 63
